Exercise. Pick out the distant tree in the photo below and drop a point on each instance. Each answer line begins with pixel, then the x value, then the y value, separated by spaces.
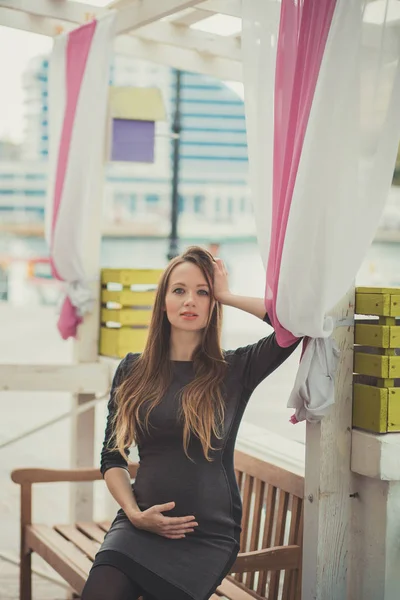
pixel 396 175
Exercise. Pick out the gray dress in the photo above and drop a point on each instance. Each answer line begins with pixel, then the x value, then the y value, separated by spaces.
pixel 194 565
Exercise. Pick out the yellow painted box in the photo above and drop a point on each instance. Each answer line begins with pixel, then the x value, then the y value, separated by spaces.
pixel 376 409
pixel 117 342
pixel 381 302
pixel 127 299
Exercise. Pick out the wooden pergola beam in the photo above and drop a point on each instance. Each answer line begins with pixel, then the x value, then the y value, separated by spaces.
pixel 138 14
pixel 163 42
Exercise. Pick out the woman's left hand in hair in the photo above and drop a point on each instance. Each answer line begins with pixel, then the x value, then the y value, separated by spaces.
pixel 221 284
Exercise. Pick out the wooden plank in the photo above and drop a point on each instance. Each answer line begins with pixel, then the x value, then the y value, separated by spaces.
pixel 25 573
pixel 283 504
pixel 118 342
pixel 71 564
pixel 271 474
pixel 267 534
pixel 128 297
pixel 232 591
pixel 81 541
pixel 136 15
pixel 329 480
pixel 394 410
pixel 295 537
pixel 246 499
pixel 372 304
pixel 104 525
pixel 377 336
pixel 126 316
pixel 92 530
pixel 370 408
pixel 273 559
pixel 384 367
pixel 92 377
pixel 131 276
pixel 395 305
pixel 259 493
pixel 377 290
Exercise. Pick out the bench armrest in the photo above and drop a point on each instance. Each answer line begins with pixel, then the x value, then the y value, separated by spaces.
pixel 269 559
pixel 24 476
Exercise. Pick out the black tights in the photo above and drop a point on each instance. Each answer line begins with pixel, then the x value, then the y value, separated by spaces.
pixel 108 583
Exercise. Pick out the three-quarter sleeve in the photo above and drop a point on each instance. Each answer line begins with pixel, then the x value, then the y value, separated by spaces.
pixel 114 458
pixel 259 360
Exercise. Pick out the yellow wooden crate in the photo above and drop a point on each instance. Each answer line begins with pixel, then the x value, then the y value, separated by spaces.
pixel 376 409
pixel 130 308
pixel 377 336
pixel 126 297
pixel 126 316
pixel 117 342
pixel 128 277
pixel 384 367
pixel 378 301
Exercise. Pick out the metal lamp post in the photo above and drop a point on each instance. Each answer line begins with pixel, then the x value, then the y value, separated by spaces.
pixel 176 132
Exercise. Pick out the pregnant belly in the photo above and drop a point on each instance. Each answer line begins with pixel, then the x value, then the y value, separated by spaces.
pixel 200 490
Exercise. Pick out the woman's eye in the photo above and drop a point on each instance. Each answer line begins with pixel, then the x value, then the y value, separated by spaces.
pixel 178 290
pixel 203 292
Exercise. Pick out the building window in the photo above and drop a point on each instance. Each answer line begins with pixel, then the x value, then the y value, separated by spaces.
pixel 199 204
pixel 152 199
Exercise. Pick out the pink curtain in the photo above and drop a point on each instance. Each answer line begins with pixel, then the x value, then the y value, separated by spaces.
pixel 303 31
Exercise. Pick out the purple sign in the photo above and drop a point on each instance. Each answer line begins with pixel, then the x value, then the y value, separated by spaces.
pixel 133 141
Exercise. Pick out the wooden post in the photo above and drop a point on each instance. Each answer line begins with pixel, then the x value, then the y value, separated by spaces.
pixel 86 350
pixel 25 572
pixel 328 481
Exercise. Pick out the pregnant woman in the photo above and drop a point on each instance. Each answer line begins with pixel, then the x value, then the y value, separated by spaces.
pixel 181 401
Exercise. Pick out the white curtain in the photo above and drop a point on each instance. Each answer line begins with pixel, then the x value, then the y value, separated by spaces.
pixel 78 99
pixel 344 173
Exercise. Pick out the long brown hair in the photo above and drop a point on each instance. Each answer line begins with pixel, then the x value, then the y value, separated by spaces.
pixel 202 403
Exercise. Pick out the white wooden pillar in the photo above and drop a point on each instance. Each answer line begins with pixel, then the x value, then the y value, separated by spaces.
pixel 328 482
pixel 86 350
pixel 375 573
pixel 83 425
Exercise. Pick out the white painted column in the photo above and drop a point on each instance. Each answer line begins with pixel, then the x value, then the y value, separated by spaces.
pixel 328 482
pixel 375 573
pixel 86 350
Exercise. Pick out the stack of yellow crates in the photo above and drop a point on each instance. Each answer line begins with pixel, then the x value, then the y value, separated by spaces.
pixel 376 404
pixel 127 298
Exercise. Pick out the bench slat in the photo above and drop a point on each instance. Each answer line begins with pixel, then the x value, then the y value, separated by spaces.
pixel 259 494
pixel 283 504
pixel 290 580
pixel 104 525
pixel 267 534
pixel 234 591
pixel 81 541
pixel 91 530
pixel 276 476
pixel 71 564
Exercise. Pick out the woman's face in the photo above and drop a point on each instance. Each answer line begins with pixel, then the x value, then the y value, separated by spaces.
pixel 188 298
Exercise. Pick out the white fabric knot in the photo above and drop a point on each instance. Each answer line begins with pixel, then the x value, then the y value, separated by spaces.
pixel 81 296
pixel 314 389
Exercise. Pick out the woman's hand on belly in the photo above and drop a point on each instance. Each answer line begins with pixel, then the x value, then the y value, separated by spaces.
pixel 154 521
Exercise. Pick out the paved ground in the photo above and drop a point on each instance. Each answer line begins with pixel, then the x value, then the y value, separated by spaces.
pixel 29 336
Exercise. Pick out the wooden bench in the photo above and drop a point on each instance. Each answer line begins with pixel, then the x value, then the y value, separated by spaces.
pixel 269 563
